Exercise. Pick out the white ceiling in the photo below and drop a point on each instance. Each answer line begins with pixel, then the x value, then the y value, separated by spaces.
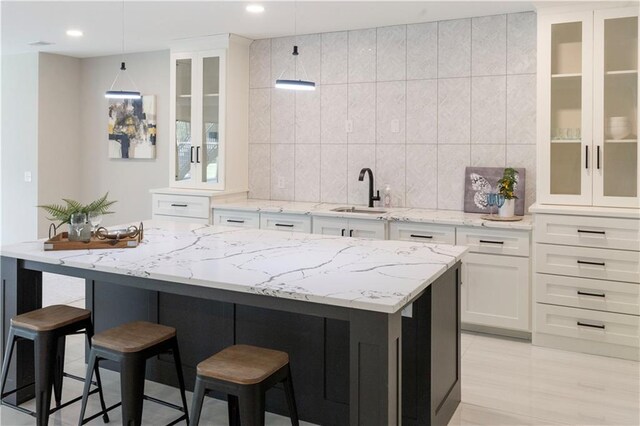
pixel 152 25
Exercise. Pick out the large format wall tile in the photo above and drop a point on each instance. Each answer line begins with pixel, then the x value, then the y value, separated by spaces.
pixel 333 171
pixel 488 155
pixel 362 112
pixel 454 104
pixel 488 109
pixel 282 171
pixel 310 57
pixel 307 172
pixel 392 53
pixel 454 48
pixel 422 51
pixel 282 116
pixel 521 43
pixel 308 116
pixel 360 156
pixel 452 160
pixel 422 176
pixel 260 63
pixel 390 112
pixel 362 56
pixel 259 115
pixel 422 111
pixel 282 61
pixel 260 171
pixel 524 156
pixel 521 109
pixel 335 54
pixel 489 45
pixel 391 169
pixel 333 113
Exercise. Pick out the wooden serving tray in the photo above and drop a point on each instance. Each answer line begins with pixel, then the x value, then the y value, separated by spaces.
pixel 61 242
pixel 502 219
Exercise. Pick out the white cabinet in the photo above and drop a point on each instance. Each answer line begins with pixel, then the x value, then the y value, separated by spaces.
pixel 237 218
pixel 209 113
pixel 187 208
pixel 495 291
pixel 357 228
pixel 588 108
pixel 285 222
pixel 422 232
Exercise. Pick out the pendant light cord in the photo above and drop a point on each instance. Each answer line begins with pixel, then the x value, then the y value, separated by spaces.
pixel 122 56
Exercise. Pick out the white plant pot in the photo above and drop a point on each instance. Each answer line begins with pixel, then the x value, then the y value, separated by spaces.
pixel 507 209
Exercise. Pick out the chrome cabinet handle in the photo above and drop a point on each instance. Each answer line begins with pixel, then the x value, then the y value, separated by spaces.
pixel 584 324
pixel 586 262
pixel 428 237
pixel 586 293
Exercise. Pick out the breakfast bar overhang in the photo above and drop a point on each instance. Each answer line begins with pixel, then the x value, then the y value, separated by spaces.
pixel 372 327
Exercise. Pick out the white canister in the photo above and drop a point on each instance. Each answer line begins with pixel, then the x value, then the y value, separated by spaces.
pixel 508 208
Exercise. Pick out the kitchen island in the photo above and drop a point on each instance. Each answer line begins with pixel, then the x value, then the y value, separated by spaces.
pixel 334 304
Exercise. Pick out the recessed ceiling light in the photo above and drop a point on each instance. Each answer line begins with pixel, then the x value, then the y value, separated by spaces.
pixel 255 8
pixel 74 33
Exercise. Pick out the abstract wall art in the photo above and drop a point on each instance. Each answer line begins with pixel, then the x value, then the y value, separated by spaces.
pixel 132 128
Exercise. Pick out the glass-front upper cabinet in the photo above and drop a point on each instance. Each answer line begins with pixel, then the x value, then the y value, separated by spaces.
pixel 616 108
pixel 198 88
pixel 565 116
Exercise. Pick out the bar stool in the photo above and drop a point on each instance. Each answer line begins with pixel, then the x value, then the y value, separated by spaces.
pixel 47 328
pixel 244 373
pixel 130 345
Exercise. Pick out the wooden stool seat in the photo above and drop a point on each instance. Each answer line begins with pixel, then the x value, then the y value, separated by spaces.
pixel 243 364
pixel 50 318
pixel 133 336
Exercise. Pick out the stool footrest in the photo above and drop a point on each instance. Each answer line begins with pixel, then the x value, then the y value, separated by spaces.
pixel 101 413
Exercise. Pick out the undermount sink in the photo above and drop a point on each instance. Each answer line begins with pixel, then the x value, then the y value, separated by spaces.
pixel 357 210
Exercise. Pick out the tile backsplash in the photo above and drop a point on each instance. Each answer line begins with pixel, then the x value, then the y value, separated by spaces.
pixel 415 103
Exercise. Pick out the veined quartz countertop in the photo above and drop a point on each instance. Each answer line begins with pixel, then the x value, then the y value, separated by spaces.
pixel 444 217
pixel 373 275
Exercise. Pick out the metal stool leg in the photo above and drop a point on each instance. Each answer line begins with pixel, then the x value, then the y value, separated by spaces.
pixel 87 384
pixel 11 342
pixel 176 360
pixel 198 399
pixel 291 400
pixel 132 372
pixel 58 374
pixel 234 410
pixel 251 400
pixel 45 357
pixel 89 334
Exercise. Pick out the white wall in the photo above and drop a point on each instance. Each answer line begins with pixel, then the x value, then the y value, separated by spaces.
pixel 127 181
pixel 19 147
pixel 60 144
pixel 462 93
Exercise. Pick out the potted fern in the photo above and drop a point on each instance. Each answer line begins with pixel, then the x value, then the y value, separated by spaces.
pixel 76 215
pixel 507 188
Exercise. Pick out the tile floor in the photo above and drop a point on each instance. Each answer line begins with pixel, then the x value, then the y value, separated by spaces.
pixel 504 382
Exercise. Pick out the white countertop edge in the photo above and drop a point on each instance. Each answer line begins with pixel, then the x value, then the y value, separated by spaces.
pixel 621 212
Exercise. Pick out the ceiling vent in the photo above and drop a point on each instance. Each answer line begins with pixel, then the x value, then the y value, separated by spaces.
pixel 40 43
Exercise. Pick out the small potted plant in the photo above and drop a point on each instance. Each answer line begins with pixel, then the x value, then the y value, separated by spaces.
pixel 77 215
pixel 507 188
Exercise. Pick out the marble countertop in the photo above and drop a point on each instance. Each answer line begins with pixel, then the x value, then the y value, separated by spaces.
pixel 443 217
pixel 373 275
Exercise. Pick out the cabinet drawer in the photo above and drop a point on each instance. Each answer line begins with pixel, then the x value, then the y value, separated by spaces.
pixel 596 326
pixel 602 295
pixel 237 218
pixel 586 262
pixel 494 241
pixel 601 232
pixel 365 228
pixel 285 222
pixel 422 232
pixel 181 205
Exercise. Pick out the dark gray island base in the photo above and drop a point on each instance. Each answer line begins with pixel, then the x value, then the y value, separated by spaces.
pixel 350 366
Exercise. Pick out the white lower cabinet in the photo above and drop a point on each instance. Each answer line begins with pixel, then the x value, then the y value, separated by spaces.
pixel 286 222
pixel 357 228
pixel 237 218
pixel 422 232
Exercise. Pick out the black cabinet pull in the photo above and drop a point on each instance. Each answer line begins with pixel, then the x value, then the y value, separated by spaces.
pixel 586 262
pixel 598 156
pixel 285 225
pixel 179 205
pixel 235 221
pixel 428 237
pixel 586 157
pixel 197 154
pixel 585 231
pixel 492 242
pixel 342 232
pixel 586 293
pixel 192 155
pixel 584 324
pixel 351 232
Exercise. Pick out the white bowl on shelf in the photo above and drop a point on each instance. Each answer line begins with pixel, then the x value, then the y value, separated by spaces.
pixel 619 131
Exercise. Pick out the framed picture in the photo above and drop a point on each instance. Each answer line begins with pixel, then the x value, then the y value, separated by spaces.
pixel 479 181
pixel 132 128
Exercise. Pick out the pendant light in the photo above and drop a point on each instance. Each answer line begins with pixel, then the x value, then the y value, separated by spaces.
pixel 122 94
pixel 295 84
